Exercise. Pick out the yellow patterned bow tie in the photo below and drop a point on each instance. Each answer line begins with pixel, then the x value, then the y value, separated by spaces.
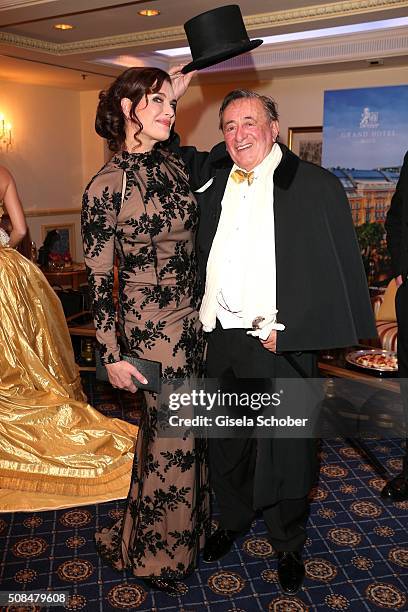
pixel 239 176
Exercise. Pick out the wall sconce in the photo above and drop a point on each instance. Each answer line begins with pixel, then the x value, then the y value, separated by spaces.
pixel 6 140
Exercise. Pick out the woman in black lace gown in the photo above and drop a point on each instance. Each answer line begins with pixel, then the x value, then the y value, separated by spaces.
pixel 139 209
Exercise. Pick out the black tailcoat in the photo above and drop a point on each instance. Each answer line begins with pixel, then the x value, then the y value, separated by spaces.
pixel 396 224
pixel 321 288
pixel 322 294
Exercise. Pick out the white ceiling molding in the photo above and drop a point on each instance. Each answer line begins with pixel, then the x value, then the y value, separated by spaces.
pixel 163 36
pixel 320 11
pixel 156 37
pixel 31 44
pixel 6 5
pixel 346 48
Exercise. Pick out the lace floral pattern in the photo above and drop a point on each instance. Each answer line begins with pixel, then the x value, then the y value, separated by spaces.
pixel 148 219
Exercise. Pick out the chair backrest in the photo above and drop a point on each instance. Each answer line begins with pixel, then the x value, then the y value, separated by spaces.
pixel 386 310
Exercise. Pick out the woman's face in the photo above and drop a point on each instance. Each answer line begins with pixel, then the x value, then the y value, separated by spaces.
pixel 157 116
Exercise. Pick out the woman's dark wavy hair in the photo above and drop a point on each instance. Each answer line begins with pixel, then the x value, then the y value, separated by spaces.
pixel 134 83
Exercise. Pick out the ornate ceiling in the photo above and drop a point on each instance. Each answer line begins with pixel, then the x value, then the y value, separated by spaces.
pixel 108 35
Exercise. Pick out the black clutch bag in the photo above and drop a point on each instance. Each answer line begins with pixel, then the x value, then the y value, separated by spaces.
pixel 150 369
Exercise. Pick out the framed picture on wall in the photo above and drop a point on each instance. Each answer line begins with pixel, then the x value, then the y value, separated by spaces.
pixel 306 142
pixel 64 240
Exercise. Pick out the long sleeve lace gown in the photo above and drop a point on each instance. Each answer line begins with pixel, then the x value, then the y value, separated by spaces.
pixel 140 207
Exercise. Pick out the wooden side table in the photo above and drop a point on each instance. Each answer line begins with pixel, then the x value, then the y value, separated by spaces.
pixel 337 367
pixel 81 324
pixel 73 277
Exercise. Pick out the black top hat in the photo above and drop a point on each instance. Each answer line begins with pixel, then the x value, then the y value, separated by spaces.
pixel 217 35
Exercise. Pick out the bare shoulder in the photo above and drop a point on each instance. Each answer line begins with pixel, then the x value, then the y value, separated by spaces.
pixel 6 179
pixel 5 176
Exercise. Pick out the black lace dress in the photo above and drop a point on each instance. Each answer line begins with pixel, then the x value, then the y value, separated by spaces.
pixel 150 228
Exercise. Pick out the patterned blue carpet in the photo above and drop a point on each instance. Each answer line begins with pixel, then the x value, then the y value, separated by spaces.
pixel 356 554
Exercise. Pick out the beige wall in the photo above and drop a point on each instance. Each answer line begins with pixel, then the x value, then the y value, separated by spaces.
pixel 46 158
pixel 299 98
pixel 56 150
pixel 91 144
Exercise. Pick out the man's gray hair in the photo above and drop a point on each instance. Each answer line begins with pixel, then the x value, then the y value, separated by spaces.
pixel 267 102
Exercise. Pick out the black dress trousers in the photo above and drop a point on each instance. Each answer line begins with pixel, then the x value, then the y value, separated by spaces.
pixel 239 467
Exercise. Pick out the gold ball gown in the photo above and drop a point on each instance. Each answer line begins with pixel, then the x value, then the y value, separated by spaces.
pixel 55 449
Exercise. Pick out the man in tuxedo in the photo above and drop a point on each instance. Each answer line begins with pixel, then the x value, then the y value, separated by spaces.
pixel 396 225
pixel 283 278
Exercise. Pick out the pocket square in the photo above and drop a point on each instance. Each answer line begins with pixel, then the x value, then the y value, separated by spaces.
pixel 205 186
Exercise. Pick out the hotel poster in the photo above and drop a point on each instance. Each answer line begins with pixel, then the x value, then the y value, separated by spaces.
pixel 365 137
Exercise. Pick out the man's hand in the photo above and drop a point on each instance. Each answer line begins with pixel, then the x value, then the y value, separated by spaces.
pixel 398 280
pixel 180 81
pixel 120 376
pixel 270 342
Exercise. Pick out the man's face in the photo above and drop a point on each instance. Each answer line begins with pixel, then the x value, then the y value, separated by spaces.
pixel 248 132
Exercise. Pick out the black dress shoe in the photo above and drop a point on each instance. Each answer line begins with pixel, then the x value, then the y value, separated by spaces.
pixel 396 489
pixel 291 572
pixel 218 544
pixel 171 587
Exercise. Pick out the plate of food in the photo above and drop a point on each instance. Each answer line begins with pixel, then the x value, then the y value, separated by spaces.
pixel 376 360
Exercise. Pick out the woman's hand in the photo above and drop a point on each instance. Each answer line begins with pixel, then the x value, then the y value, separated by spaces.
pixel 180 81
pixel 120 376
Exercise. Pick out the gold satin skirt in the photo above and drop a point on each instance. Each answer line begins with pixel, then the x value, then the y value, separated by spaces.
pixel 55 449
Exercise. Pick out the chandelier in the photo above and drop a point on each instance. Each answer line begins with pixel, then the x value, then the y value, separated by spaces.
pixel 6 138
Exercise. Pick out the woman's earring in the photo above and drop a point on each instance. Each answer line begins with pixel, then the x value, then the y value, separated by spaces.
pixel 126 106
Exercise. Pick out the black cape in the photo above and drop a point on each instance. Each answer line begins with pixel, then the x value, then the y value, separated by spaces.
pixel 322 293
